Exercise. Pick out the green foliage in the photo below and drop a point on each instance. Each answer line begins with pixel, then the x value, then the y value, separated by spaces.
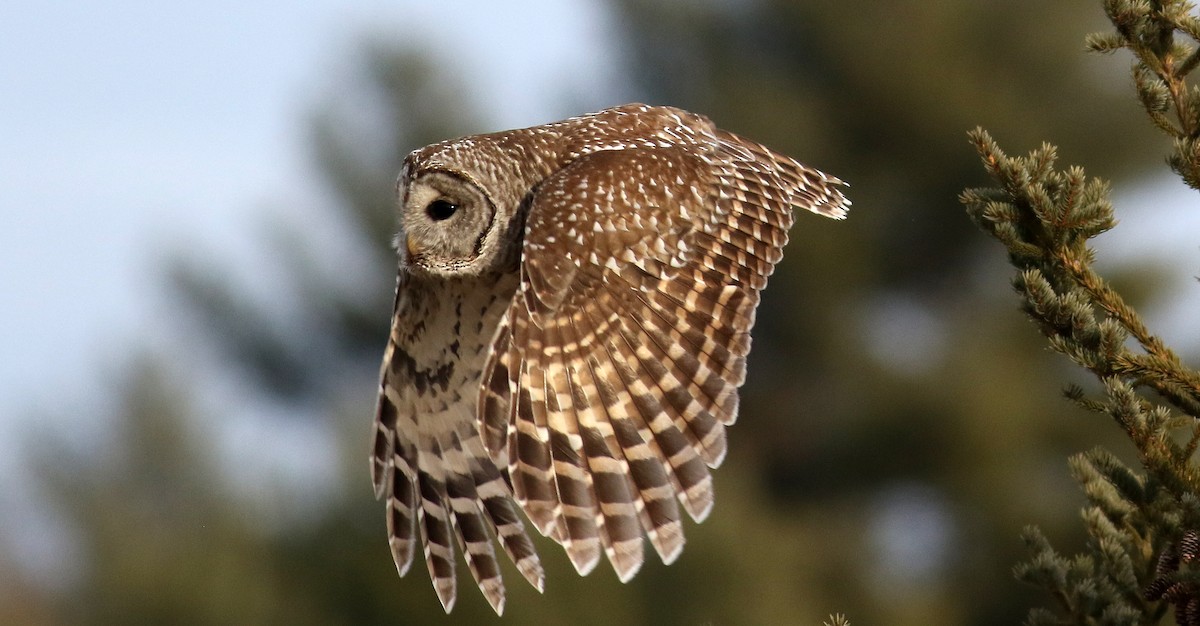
pixel 1045 218
pixel 1163 38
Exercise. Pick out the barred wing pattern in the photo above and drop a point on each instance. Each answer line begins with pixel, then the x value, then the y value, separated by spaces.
pixel 571 328
pixel 428 461
pixel 615 369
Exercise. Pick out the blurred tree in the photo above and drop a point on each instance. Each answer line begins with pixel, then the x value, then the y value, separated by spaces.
pixel 881 468
pixel 22 601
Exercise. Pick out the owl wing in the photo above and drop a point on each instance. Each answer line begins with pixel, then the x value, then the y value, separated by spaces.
pixel 440 479
pixel 615 370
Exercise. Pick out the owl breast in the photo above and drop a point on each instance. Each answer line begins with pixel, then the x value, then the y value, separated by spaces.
pixel 440 338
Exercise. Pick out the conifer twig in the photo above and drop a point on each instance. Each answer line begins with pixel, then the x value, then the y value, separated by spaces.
pixel 1141 557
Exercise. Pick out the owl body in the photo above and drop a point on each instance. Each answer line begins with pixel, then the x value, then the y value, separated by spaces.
pixel 571 325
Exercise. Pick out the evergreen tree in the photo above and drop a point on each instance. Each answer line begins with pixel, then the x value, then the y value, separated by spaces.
pixel 1141 523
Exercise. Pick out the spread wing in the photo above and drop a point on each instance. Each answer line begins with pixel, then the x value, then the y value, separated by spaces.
pixel 615 370
pixel 430 465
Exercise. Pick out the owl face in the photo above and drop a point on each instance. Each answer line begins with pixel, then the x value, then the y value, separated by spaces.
pixel 447 224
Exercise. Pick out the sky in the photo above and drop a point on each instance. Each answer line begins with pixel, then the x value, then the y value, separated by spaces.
pixel 130 129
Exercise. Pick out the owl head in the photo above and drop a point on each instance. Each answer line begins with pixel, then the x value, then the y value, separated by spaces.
pixel 461 207
pixel 447 223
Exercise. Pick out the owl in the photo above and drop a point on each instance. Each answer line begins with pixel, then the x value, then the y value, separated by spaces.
pixel 570 330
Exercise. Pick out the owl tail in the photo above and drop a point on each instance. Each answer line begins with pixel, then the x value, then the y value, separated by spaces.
pixel 448 487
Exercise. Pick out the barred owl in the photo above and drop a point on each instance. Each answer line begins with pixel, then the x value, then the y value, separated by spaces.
pixel 572 319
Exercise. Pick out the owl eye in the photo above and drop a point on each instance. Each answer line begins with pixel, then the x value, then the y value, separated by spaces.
pixel 440 209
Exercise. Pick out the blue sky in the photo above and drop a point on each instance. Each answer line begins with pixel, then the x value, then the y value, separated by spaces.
pixel 132 128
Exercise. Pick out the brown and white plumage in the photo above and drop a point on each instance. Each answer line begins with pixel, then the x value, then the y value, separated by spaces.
pixel 571 328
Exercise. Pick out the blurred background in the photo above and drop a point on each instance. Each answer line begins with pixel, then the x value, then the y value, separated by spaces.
pixel 195 211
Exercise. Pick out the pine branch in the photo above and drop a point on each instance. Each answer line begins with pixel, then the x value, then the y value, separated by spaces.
pixel 1142 525
pixel 1045 217
pixel 837 620
pixel 1164 37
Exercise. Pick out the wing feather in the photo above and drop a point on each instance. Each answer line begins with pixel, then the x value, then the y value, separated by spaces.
pixel 430 465
pixel 577 515
pixel 648 471
pixel 616 367
pixel 616 515
pixel 474 536
pixel 433 516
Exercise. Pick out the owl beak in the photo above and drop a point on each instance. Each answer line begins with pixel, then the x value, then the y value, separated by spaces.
pixel 410 247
